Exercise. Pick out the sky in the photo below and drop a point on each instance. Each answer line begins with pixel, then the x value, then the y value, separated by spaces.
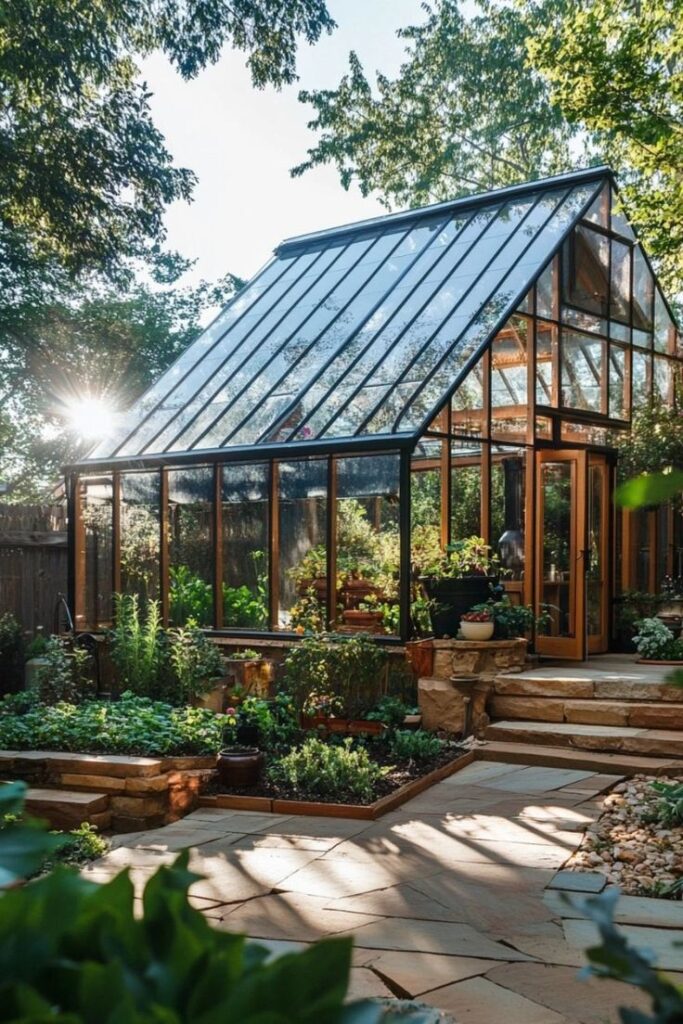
pixel 241 143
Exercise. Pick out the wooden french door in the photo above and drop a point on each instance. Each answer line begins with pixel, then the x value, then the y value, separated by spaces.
pixel 571 553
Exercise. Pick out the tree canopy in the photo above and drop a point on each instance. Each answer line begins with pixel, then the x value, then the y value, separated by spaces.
pixel 515 91
pixel 85 178
pixel 85 175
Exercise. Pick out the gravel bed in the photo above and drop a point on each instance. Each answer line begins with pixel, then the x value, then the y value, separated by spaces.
pixel 632 848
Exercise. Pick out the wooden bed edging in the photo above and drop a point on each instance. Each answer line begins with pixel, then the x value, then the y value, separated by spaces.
pixel 364 812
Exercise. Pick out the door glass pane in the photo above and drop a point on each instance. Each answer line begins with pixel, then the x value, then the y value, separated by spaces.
pixel 507 509
pixel 595 576
pixel 244 518
pixel 557 564
pixel 190 545
pixel 140 534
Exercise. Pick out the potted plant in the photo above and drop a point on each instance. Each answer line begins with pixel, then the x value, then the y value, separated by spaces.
pixel 455 579
pixel 249 673
pixel 655 642
pixel 512 621
pixel 366 617
pixel 239 766
pixel 477 625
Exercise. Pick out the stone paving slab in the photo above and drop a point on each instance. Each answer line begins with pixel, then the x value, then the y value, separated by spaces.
pixel 447 897
pixel 639 910
pixel 664 944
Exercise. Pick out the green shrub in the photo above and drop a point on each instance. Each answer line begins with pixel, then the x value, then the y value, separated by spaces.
pixel 345 674
pixel 77 952
pixel 668 810
pixel 190 597
pixel 174 664
pixel 655 642
pixel 11 653
pixel 131 725
pixel 276 720
pixel 389 710
pixel 323 770
pixel 418 745
pixel 66 674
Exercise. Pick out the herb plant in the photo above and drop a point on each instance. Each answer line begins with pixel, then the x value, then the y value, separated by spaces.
pixel 318 769
pixel 668 810
pixel 65 676
pixel 389 710
pixel 195 662
pixel 190 597
pixel 349 670
pixel 511 620
pixel 418 745
pixel 131 725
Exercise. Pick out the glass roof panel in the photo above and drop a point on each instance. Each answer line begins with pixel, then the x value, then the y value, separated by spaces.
pixel 359 330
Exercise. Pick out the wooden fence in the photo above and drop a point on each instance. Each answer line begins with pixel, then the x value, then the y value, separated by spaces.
pixel 33 562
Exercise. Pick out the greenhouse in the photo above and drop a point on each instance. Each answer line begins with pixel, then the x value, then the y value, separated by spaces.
pixel 378 392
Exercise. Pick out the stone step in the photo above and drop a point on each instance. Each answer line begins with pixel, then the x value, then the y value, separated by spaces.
pixel 584 760
pixel 67 809
pixel 619 739
pixel 582 683
pixel 638 714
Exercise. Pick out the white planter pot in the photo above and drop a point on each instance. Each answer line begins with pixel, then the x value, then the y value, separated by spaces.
pixel 476 630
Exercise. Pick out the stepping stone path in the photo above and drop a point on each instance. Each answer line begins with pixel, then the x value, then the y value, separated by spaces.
pixel 457 898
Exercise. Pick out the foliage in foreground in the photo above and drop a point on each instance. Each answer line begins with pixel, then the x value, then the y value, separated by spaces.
pixel 75 952
pixel 131 725
pixel 328 771
pixel 616 958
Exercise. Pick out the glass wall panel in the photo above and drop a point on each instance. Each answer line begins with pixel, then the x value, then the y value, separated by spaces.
pixel 140 534
pixel 641 371
pixel 547 298
pixel 618 397
pixel 508 489
pixel 509 398
pixel 583 371
pixel 546 359
pixel 96 505
pixel 368 545
pixel 664 326
pixel 643 292
pixel 191 545
pixel 467 407
pixel 466 482
pixel 586 271
pixel 245 502
pixel 620 291
pixel 662 381
pixel 302 514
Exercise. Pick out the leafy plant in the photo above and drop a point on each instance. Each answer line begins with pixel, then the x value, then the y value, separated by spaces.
pixel 615 958
pixel 655 642
pixel 137 646
pixel 512 620
pixel 93 952
pixel 195 662
pixel 248 654
pixel 389 710
pixel 276 720
pixel 634 605
pixel 190 597
pixel 65 674
pixel 307 615
pixel 417 745
pixel 669 808
pixel 131 725
pixel 37 648
pixel 350 669
pixel 469 557
pixel 324 770
pixel 11 652
pixel 24 845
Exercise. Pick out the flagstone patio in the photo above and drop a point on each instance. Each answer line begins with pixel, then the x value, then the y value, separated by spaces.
pixel 455 898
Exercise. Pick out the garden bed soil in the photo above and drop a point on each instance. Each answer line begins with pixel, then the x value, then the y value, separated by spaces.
pixel 406 782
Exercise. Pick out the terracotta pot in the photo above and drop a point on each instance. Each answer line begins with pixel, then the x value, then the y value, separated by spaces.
pixel 239 769
pixel 354 591
pixel 412 721
pixel 366 622
pixel 319 585
pixel 420 657
pixel 476 630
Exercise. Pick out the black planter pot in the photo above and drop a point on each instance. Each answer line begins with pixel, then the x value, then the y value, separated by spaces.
pixel 247 735
pixel 454 597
